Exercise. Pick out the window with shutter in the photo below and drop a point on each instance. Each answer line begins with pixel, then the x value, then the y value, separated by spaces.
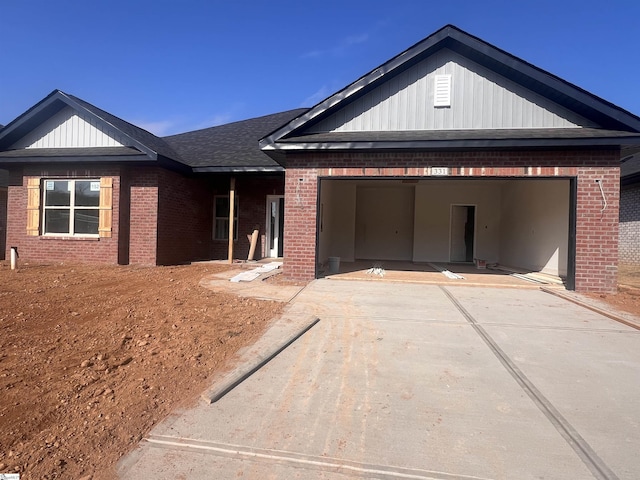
pixel 106 206
pixel 71 207
pixel 33 206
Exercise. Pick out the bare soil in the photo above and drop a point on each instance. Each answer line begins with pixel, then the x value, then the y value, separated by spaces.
pixel 92 357
pixel 627 297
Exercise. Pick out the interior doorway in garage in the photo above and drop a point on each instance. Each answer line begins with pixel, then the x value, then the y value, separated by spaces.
pixel 463 222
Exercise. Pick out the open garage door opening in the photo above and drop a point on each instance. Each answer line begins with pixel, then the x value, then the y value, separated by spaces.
pixel 520 224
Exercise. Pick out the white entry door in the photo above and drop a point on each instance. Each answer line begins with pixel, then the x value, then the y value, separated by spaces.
pixel 275 225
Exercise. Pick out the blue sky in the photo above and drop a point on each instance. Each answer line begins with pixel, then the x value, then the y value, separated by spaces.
pixel 175 66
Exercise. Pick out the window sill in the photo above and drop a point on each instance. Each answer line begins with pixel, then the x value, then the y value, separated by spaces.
pixel 69 238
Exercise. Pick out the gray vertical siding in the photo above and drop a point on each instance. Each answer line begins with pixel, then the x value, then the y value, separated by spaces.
pixel 68 129
pixel 480 99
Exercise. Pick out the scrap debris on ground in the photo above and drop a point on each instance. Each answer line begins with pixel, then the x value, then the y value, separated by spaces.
pixel 92 357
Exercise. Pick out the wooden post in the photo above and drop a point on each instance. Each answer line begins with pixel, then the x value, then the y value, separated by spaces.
pixel 232 204
pixel 253 239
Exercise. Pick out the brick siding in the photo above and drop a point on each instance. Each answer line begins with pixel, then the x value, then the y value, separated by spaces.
pixel 143 215
pixel 629 243
pixel 185 214
pixel 58 249
pixel 597 229
pixel 3 222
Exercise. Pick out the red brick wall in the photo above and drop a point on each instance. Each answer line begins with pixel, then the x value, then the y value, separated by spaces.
pixel 252 191
pixel 185 213
pixel 58 249
pixel 3 221
pixel 143 214
pixel 597 230
pixel 159 216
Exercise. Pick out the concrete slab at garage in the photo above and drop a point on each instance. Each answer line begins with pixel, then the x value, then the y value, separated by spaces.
pixel 424 382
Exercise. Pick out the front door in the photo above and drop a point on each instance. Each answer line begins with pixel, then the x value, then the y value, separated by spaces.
pixel 275 225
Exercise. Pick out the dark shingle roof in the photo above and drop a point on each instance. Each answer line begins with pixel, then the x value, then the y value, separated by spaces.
pixel 440 139
pixel 480 134
pixel 230 147
pixel 103 153
pixel 4 178
pixel 630 169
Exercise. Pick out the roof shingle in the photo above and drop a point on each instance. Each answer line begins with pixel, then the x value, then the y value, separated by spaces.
pixel 232 146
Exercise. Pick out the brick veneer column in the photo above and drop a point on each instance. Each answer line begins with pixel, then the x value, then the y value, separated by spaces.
pixel 3 221
pixel 143 234
pixel 597 229
pixel 301 196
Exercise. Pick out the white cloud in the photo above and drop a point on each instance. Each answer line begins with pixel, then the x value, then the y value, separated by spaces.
pixel 215 120
pixel 317 96
pixel 340 49
pixel 159 128
pixel 164 128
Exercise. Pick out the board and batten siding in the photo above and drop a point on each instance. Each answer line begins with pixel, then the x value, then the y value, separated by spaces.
pixel 68 129
pixel 480 99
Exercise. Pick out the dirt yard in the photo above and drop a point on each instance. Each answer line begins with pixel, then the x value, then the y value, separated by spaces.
pixel 92 357
pixel 628 297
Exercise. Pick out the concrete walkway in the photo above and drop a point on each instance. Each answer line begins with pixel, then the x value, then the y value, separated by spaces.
pixel 422 382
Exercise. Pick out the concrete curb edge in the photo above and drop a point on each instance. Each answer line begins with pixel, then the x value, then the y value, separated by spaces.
pixel 612 316
pixel 235 378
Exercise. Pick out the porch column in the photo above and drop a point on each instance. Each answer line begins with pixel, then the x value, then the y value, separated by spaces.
pixel 232 201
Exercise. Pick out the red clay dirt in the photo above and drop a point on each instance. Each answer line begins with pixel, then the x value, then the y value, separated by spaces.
pixel 627 298
pixel 92 357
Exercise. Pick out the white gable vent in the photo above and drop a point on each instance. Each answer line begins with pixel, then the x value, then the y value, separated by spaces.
pixel 442 91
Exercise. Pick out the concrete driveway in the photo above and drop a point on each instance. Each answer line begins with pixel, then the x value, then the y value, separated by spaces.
pixel 413 381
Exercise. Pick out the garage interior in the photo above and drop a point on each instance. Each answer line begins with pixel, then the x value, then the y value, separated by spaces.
pixel 520 224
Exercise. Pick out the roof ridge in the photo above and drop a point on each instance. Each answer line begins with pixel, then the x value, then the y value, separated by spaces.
pixel 235 122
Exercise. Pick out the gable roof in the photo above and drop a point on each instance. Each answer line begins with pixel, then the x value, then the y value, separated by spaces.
pixel 141 145
pixel 605 114
pixel 232 147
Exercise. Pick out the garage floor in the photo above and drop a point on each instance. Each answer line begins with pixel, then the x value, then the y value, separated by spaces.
pixel 423 382
pixel 431 273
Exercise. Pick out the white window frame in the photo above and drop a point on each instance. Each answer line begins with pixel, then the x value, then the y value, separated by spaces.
pixel 225 218
pixel 71 208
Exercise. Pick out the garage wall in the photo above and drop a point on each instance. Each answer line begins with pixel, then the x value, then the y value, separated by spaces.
pixel 535 225
pixel 433 212
pixel 384 222
pixel 337 229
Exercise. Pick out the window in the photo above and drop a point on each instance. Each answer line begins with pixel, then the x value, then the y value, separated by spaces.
pixel 221 218
pixel 71 207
